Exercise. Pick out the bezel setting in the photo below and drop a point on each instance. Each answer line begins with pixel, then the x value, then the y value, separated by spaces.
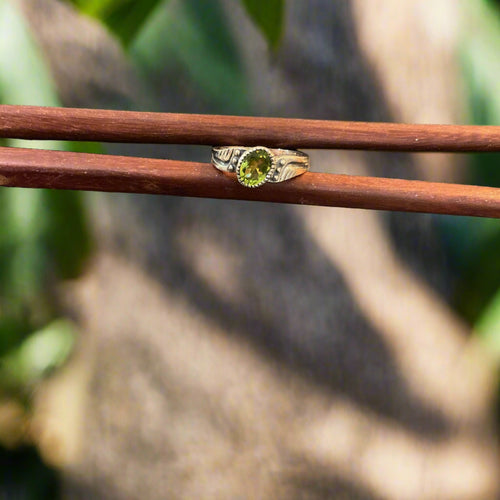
pixel 269 174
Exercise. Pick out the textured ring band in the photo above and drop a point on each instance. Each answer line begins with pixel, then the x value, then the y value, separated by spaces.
pixel 257 165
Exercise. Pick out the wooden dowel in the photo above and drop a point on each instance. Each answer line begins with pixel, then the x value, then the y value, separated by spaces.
pixel 31 122
pixel 62 170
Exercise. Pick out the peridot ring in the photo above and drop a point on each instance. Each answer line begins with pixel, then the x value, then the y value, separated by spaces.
pixel 254 166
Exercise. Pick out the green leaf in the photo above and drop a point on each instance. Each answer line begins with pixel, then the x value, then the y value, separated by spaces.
pixel 24 78
pixel 123 17
pixel 479 55
pixel 488 326
pixel 190 44
pixel 474 244
pixel 268 16
pixel 481 66
pixel 35 221
pixel 43 235
pixel 480 273
pixel 67 237
pixel 38 355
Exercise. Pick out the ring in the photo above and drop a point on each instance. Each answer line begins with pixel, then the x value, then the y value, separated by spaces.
pixel 257 165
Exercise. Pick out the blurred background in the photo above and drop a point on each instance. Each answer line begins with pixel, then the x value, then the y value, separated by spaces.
pixel 44 235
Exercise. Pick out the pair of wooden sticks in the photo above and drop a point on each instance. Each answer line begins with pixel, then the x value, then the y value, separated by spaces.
pixel 83 171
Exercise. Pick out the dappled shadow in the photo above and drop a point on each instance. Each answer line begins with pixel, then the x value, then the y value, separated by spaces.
pixel 286 297
pixel 292 302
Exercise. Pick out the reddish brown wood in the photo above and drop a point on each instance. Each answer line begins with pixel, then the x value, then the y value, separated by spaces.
pixel 30 122
pixel 63 170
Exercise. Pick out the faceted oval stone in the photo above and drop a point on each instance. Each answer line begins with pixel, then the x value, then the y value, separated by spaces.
pixel 254 168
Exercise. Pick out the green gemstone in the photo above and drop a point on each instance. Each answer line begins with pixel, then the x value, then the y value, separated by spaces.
pixel 254 168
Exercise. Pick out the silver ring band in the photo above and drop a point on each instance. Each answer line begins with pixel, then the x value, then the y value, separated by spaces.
pixel 257 165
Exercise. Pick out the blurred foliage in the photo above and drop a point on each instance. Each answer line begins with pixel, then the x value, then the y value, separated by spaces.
pixel 188 37
pixel 123 17
pixel 488 324
pixel 43 233
pixel 199 50
pixel 43 238
pixel 474 244
pixel 42 351
pixel 268 16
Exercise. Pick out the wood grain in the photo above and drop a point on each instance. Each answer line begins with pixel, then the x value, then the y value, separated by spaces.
pixel 31 122
pixel 62 170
